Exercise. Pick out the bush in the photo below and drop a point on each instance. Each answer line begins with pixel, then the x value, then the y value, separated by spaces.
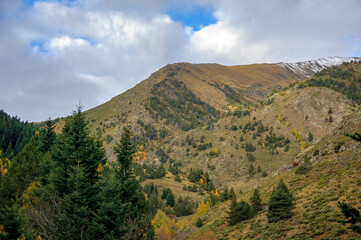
pixel 338 146
pixel 301 169
pixel 199 223
pixel 251 157
pixel 249 147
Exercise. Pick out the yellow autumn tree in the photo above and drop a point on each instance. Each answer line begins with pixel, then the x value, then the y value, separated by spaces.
pixel 303 145
pixel 5 163
pixel 203 207
pixel 201 181
pixel 263 146
pixel 164 226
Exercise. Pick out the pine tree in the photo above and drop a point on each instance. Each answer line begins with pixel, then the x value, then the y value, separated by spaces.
pixel 123 211
pixel 10 221
pixel 310 137
pixel 280 204
pixel 353 216
pixel 125 151
pixel 232 194
pixel 224 195
pixel 22 171
pixel 47 136
pixel 71 193
pixel 256 201
pixel 170 199
pixel 75 146
pixel 239 212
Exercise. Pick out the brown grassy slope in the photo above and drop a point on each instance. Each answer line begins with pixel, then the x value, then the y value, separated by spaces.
pixel 253 81
pixel 306 110
pixel 334 176
pixel 231 164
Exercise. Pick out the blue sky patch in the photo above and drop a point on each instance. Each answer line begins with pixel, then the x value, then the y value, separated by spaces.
pixel 196 17
pixel 38 46
pixel 30 3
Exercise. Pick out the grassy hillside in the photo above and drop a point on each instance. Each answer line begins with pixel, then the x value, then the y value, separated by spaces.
pixel 185 96
pixel 333 174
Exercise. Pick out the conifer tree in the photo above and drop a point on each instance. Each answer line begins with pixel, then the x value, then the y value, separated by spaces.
pixel 353 216
pixel 310 137
pixel 256 201
pixel 170 199
pixel 280 204
pixel 239 212
pixel 71 193
pixel 124 213
pixel 125 152
pixel 224 195
pixel 232 194
pixel 22 171
pixel 47 136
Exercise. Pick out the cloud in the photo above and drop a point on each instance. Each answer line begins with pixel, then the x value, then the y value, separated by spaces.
pixel 55 53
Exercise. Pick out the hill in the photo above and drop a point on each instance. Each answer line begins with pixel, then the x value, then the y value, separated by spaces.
pixel 332 175
pixel 186 96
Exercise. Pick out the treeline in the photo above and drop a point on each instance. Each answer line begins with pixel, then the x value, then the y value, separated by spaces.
pixel 14 134
pixel 61 187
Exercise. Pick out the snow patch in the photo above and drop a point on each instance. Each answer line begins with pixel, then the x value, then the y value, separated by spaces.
pixel 310 67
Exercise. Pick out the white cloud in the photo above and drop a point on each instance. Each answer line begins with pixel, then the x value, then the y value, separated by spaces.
pixel 67 42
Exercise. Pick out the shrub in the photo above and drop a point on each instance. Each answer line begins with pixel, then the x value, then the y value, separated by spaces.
pixel 199 223
pixel 249 147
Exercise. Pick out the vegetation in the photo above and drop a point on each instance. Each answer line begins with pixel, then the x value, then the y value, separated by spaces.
pixel 343 79
pixel 67 191
pixel 280 204
pixel 174 103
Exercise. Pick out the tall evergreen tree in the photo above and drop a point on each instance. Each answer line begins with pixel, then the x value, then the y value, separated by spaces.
pixel 47 136
pixel 280 204
pixel 75 146
pixel 170 199
pixel 71 193
pixel 124 212
pixel 256 201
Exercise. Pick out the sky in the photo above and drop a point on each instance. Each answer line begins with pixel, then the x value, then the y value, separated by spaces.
pixel 55 54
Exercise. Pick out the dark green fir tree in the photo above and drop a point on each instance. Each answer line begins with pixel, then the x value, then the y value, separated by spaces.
pixel 280 204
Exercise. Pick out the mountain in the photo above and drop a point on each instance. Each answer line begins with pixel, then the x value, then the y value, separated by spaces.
pixel 182 96
pixel 247 127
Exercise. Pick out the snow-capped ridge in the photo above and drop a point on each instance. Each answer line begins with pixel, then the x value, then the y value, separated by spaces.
pixel 312 66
